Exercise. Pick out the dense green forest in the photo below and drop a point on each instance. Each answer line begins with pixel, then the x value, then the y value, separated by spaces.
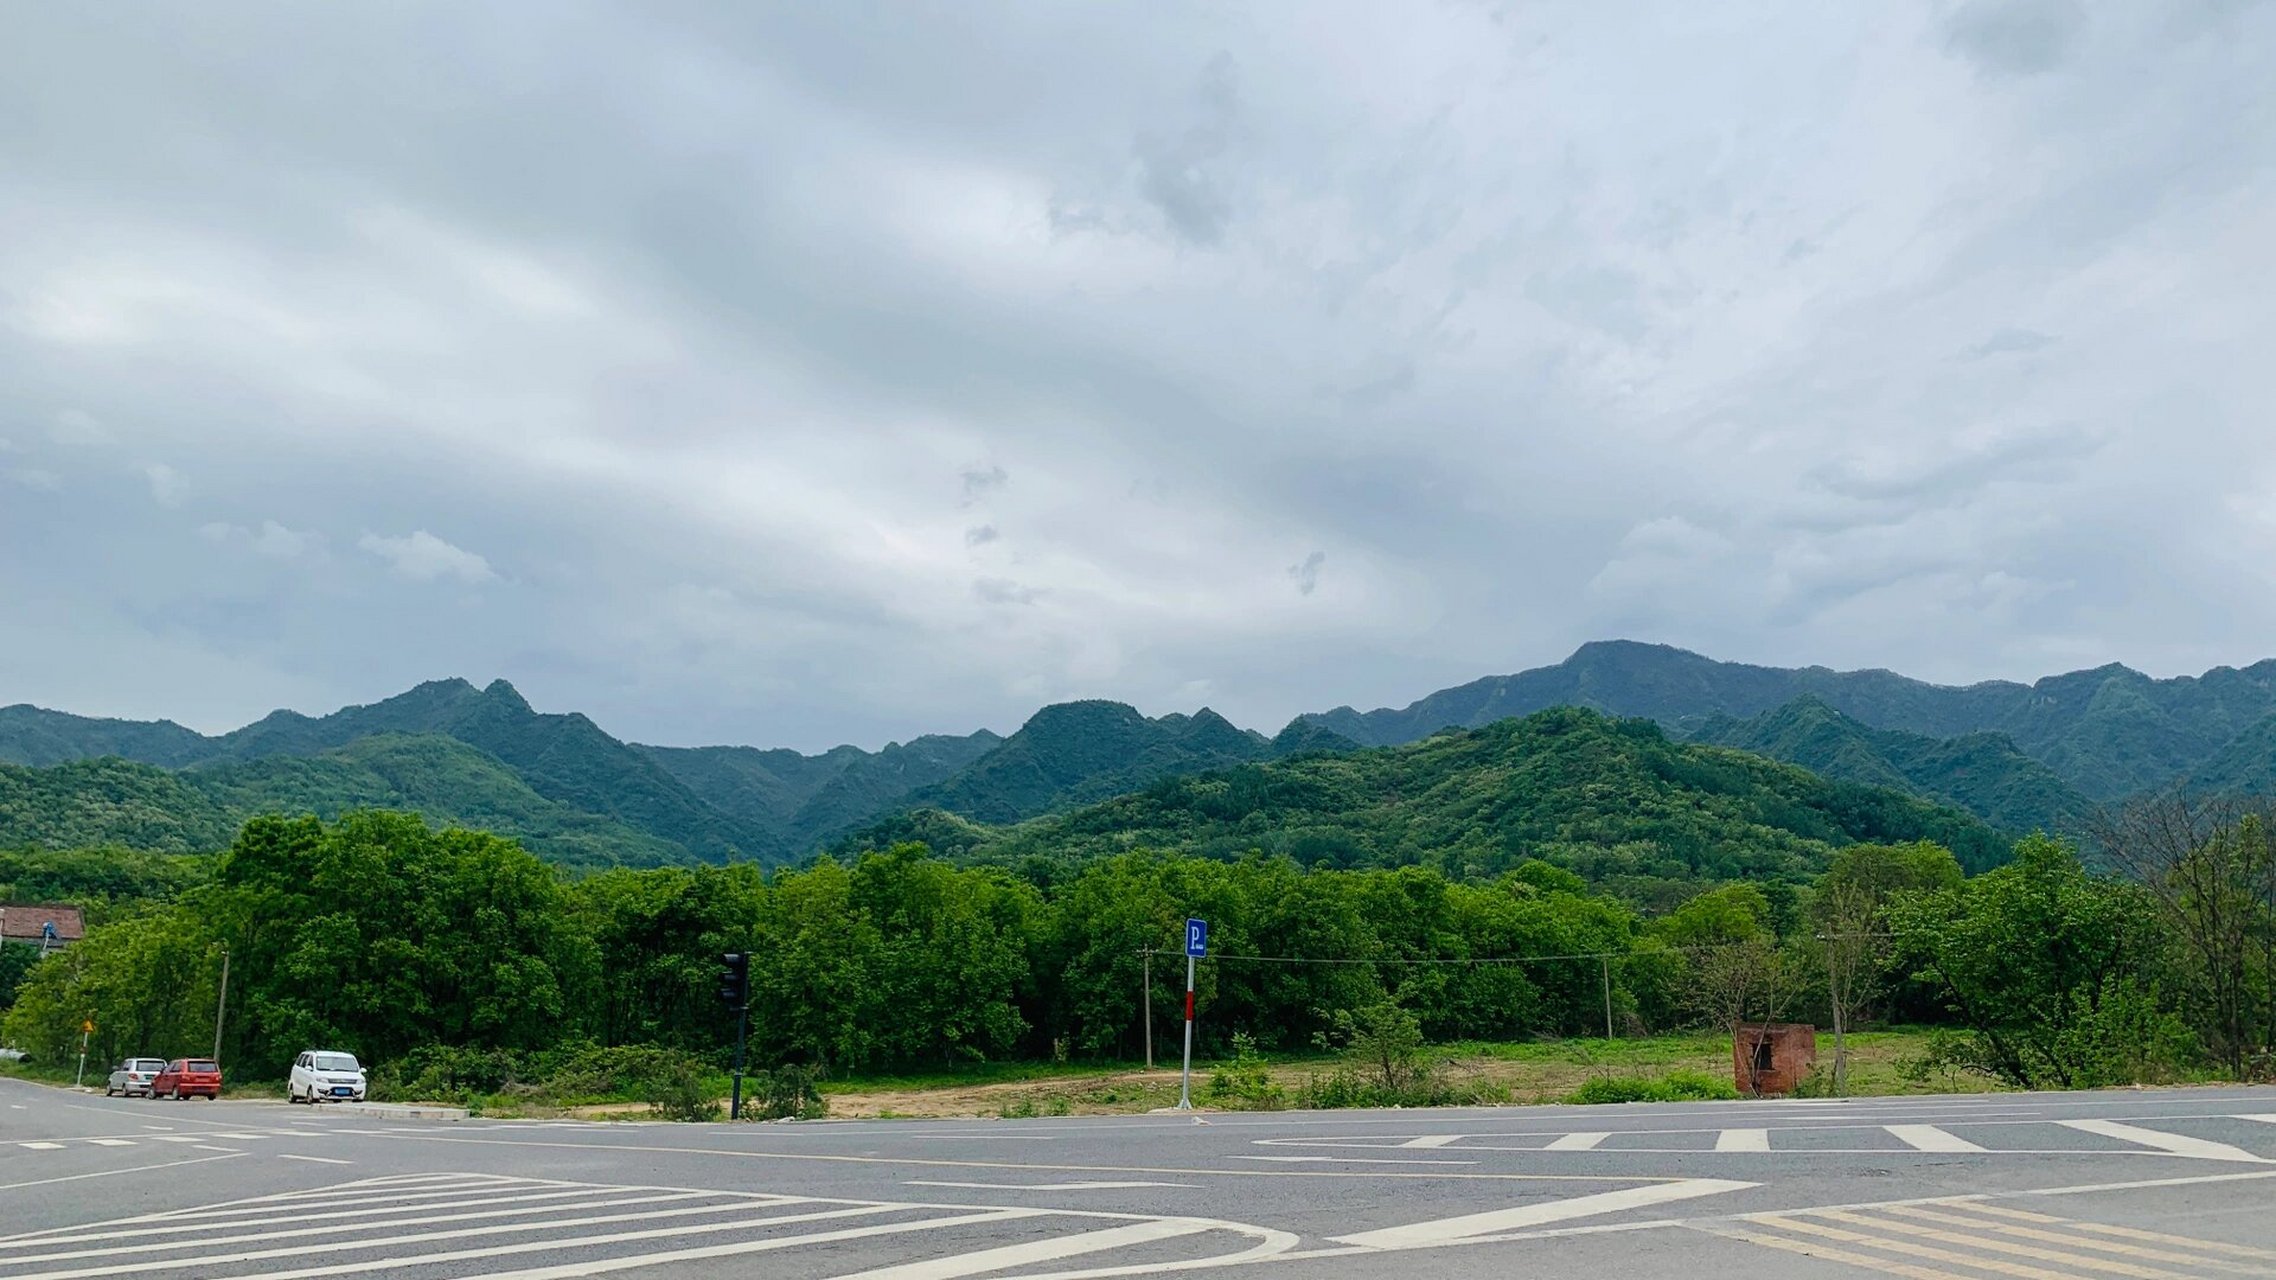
pixel 2018 757
pixel 1615 801
pixel 452 956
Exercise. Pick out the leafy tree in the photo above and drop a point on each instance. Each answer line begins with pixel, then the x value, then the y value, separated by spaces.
pixel 2049 968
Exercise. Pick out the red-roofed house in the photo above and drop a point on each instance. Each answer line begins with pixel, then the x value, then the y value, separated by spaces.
pixel 41 924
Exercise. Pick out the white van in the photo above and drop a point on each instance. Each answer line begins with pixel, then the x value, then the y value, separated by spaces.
pixel 325 1075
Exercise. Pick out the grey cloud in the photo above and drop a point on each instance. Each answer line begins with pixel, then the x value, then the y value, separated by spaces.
pixel 422 557
pixel 1175 172
pixel 979 482
pixel 1003 591
pixel 1957 469
pixel 981 535
pixel 1307 574
pixel 1483 303
pixel 2015 37
pixel 2010 342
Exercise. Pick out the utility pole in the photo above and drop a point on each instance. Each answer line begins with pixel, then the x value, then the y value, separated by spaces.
pixel 1146 1001
pixel 735 990
pixel 1604 970
pixel 221 1006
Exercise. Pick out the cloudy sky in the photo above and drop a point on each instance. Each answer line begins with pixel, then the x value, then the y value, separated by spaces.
pixel 797 374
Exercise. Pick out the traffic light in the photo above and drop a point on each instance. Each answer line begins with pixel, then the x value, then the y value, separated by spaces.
pixel 735 979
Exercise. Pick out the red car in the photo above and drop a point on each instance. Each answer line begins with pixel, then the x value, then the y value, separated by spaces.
pixel 188 1078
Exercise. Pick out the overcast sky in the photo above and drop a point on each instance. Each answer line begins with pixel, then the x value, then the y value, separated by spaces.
pixel 801 374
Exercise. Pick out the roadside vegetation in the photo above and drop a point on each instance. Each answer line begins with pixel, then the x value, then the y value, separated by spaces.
pixel 464 969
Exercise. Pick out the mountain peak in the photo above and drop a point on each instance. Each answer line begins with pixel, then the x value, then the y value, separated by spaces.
pixel 500 691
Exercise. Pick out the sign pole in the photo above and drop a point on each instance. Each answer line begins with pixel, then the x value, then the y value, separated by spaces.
pixel 86 1029
pixel 1196 946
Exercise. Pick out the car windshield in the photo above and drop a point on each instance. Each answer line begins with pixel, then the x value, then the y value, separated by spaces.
pixel 147 1064
pixel 202 1065
pixel 336 1062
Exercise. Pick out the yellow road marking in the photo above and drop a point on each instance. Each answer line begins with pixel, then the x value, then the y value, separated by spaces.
pixel 2111 1265
pixel 2075 1242
pixel 2123 1233
pixel 1830 1254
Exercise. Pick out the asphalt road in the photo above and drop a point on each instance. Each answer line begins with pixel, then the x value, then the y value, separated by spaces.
pixel 2159 1185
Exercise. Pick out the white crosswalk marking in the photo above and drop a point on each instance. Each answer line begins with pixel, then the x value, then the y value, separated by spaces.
pixel 2158 1140
pixel 1743 1140
pixel 110 1142
pixel 1927 1137
pixel 1432 1140
pixel 1473 1226
pixel 487 1226
pixel 41 1146
pixel 1578 1142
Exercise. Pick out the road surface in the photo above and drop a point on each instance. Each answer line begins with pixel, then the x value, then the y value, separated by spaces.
pixel 2135 1185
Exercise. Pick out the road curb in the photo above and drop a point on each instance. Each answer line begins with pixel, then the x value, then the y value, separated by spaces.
pixel 400 1111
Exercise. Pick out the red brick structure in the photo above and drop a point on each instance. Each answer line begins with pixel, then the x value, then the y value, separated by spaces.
pixel 27 923
pixel 1771 1059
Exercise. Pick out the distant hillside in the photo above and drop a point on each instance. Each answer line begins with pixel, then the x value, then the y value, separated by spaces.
pixel 1077 752
pixel 805 800
pixel 1983 773
pixel 2107 733
pixel 1614 800
pixel 121 802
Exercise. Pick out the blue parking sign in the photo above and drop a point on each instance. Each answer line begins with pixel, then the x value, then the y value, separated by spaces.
pixel 1197 938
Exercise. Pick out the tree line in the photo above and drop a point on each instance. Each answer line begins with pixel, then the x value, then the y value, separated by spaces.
pixel 378 934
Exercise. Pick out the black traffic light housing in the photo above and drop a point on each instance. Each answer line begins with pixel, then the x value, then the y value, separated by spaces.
pixel 735 980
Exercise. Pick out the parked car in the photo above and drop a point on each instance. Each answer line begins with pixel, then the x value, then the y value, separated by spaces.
pixel 325 1075
pixel 133 1076
pixel 187 1078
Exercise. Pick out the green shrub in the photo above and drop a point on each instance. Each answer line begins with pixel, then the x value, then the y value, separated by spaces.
pixel 785 1093
pixel 1246 1081
pixel 1675 1086
pixel 681 1095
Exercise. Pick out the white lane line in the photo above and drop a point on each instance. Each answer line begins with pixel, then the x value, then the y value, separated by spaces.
pixel 334 1246
pixel 2264 1119
pixel 110 1142
pixel 177 1137
pixel 397 1202
pixel 231 1150
pixel 2171 1143
pixel 41 1146
pixel 1447 1230
pixel 731 1200
pixel 159 1128
pixel 1577 1142
pixel 110 1173
pixel 1048 1186
pixel 1927 1137
pixel 1743 1140
pixel 287 1155
pixel 1433 1140
pixel 600 1266
pixel 1348 1160
pixel 1009 1256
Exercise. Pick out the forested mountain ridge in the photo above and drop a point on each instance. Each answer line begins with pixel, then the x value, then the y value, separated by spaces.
pixel 2020 757
pixel 1983 773
pixel 1616 801
pixel 2107 733
pixel 118 802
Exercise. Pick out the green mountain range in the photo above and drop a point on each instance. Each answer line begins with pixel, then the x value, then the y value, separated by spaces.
pixel 1617 801
pixel 2106 733
pixel 2018 757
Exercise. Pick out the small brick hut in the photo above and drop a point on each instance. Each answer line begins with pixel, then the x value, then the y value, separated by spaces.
pixel 1771 1058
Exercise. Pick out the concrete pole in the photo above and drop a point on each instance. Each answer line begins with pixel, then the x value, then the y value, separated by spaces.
pixel 1146 1002
pixel 1604 970
pixel 221 1006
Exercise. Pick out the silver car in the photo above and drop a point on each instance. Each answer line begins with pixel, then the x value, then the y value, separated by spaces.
pixel 133 1076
